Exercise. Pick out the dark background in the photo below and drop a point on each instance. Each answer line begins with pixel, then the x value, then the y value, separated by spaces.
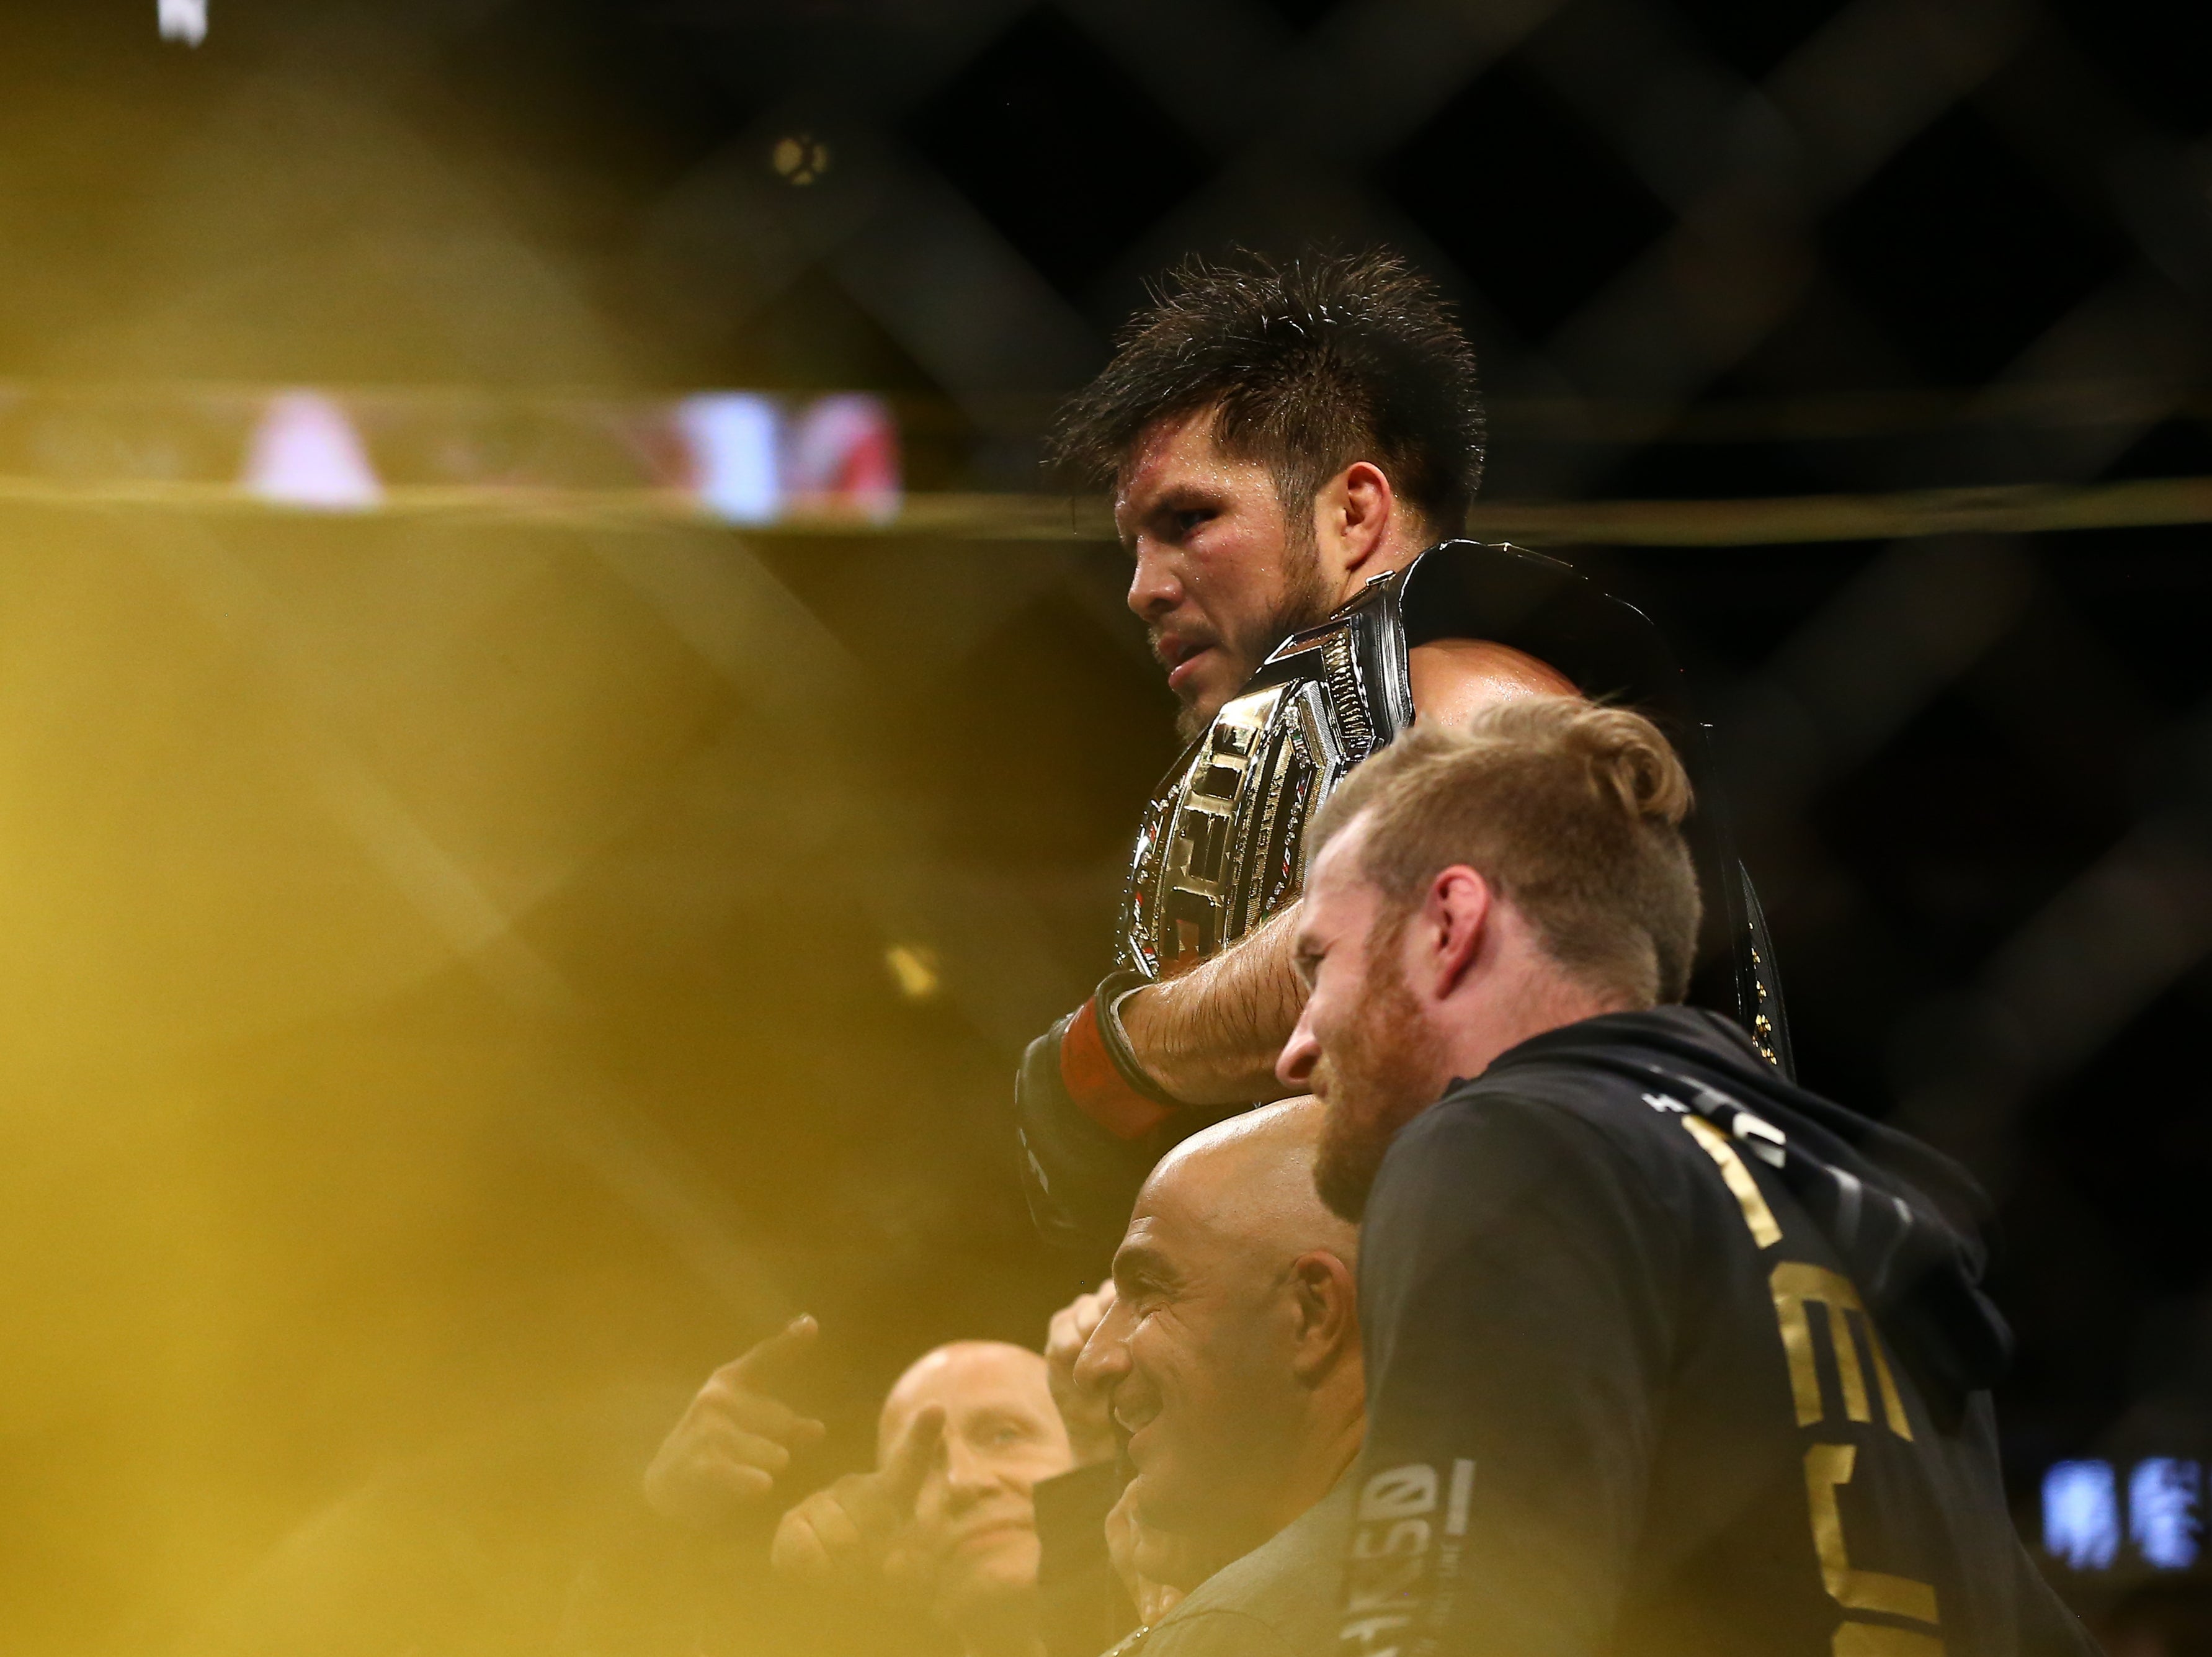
pixel 1705 250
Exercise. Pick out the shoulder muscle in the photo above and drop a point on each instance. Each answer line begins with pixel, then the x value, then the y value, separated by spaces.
pixel 1453 678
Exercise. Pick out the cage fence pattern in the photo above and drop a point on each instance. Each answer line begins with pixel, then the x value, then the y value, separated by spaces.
pixel 1818 253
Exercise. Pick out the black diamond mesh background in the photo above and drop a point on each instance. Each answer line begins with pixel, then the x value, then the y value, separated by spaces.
pixel 466 980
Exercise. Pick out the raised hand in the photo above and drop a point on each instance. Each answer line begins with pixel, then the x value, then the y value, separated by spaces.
pixel 1085 1411
pixel 850 1534
pixel 736 1437
pixel 1156 1568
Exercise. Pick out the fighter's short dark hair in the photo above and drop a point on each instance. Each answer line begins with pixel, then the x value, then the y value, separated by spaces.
pixel 1312 363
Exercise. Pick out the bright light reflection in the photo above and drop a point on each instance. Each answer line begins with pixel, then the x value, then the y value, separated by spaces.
pixel 2081 1514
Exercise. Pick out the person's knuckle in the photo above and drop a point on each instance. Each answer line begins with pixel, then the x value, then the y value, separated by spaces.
pixel 722 1394
pixel 755 1414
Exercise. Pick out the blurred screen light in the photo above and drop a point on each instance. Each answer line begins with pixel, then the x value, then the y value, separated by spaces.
pixel 182 19
pixel 305 452
pixel 747 458
pixel 733 438
pixel 843 457
pixel 2081 1514
pixel 2162 1517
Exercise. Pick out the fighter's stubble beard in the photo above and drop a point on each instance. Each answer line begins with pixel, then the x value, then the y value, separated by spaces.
pixel 1378 1075
pixel 1304 601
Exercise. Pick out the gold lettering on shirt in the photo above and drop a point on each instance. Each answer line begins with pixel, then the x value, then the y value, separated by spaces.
pixel 1794 1284
pixel 1741 1184
pixel 1826 1466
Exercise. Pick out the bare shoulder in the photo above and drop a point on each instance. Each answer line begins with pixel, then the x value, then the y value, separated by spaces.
pixel 1453 678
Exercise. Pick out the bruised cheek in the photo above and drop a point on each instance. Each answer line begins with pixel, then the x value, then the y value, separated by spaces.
pixel 1237 576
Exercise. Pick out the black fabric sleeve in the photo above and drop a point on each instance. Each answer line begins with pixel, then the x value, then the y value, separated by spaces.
pixel 1518 1285
pixel 2046 1626
pixel 1082 1608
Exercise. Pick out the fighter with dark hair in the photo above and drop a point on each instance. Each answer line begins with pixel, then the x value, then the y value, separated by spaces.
pixel 1291 449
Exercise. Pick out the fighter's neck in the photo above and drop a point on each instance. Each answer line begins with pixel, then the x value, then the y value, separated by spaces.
pixel 1387 560
pixel 1539 1002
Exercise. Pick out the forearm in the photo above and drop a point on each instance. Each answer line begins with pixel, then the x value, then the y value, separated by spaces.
pixel 1211 1036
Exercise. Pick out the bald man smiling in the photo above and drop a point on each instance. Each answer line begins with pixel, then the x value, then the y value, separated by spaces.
pixel 1230 1358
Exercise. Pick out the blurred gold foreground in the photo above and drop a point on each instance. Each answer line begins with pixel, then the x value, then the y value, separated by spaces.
pixel 419 954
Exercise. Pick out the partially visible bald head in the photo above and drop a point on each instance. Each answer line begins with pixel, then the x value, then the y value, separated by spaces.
pixel 958 1371
pixel 1247 1184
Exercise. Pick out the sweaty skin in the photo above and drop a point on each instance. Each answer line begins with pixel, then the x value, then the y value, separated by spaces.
pixel 1218 581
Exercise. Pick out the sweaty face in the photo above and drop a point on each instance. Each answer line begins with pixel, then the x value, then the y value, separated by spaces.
pixel 1379 1062
pixel 975 1530
pixel 1200 1376
pixel 1222 574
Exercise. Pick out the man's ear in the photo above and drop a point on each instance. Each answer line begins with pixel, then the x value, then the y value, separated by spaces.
pixel 1352 517
pixel 1327 1314
pixel 1454 920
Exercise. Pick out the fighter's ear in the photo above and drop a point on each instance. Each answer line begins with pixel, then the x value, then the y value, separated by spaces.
pixel 1352 517
pixel 1327 1314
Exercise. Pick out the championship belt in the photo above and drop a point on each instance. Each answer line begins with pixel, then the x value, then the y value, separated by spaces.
pixel 1222 846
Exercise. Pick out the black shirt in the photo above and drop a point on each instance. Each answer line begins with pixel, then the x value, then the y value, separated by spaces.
pixel 1625 1394
pixel 1082 1608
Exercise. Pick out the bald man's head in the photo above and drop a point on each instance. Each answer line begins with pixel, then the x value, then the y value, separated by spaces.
pixel 1247 1185
pixel 957 1372
pixel 1232 1350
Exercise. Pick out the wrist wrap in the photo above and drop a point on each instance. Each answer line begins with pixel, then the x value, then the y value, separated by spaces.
pixel 1101 1072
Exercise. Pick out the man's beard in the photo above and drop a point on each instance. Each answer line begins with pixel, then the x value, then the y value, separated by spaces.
pixel 1304 602
pixel 1379 1074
